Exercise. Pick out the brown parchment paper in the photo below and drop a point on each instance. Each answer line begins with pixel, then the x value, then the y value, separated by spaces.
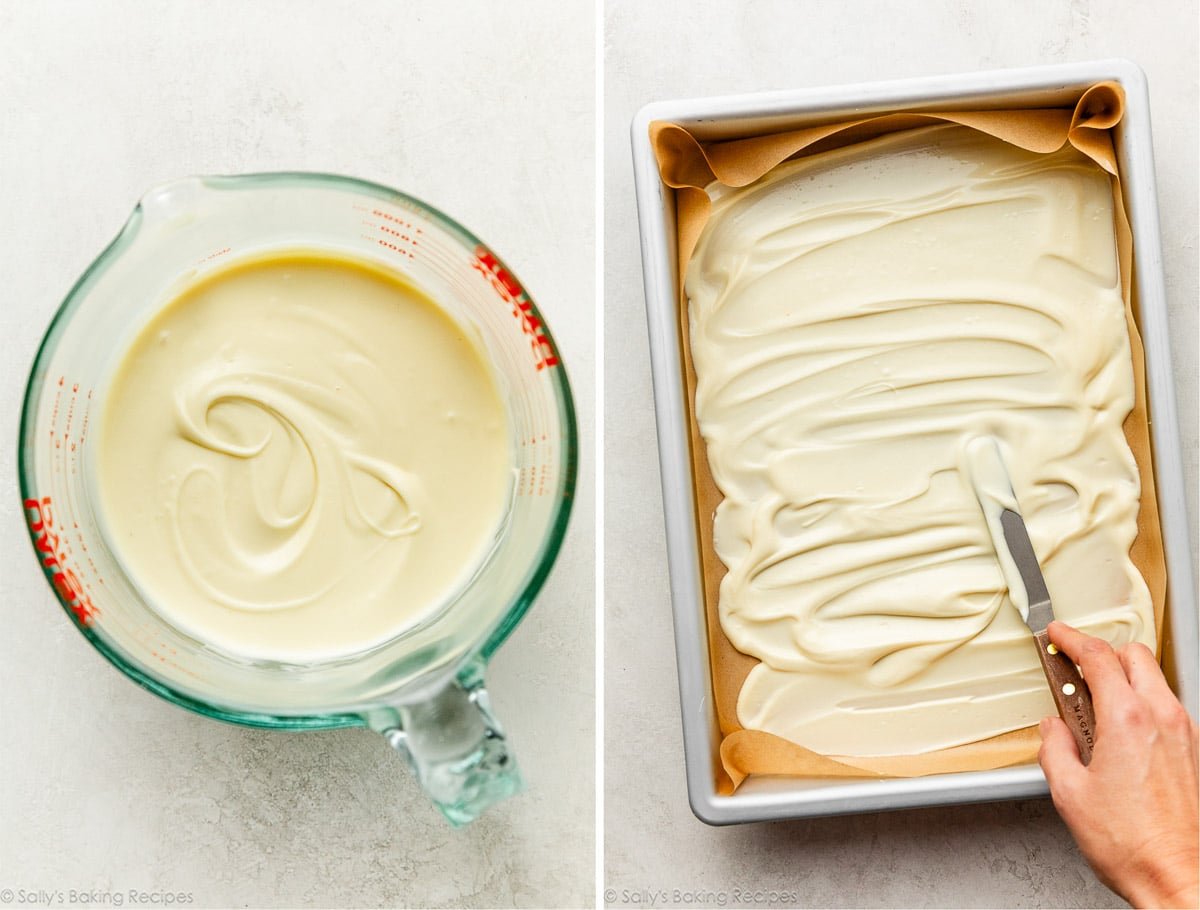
pixel 687 166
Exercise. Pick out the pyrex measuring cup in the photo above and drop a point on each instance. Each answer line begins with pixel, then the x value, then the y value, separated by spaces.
pixel 423 689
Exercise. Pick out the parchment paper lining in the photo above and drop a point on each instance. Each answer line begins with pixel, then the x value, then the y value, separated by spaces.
pixel 687 166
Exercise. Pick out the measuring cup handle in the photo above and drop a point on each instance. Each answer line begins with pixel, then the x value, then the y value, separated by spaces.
pixel 457 748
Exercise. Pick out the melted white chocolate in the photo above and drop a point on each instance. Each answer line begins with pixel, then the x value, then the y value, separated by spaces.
pixel 301 457
pixel 857 317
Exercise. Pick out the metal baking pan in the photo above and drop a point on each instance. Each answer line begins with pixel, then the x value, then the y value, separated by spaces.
pixel 767 798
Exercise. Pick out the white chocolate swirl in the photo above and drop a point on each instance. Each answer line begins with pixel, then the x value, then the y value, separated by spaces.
pixel 301 457
pixel 298 483
pixel 856 317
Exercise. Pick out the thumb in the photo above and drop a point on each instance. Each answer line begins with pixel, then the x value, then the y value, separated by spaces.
pixel 1059 756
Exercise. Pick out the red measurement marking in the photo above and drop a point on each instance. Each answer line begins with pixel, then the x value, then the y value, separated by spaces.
pixel 54 409
pixel 216 255
pixel 52 553
pixel 87 410
pixel 404 232
pixel 396 249
pixel 511 292
pixel 395 219
pixel 403 236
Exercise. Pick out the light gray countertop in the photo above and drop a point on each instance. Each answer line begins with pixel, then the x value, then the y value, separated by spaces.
pixel 488 116
pixel 1004 854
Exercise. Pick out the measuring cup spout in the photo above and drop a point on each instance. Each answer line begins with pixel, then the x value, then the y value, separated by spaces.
pixel 457 748
pixel 172 202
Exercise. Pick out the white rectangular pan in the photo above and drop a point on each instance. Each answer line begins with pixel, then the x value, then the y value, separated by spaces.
pixel 761 799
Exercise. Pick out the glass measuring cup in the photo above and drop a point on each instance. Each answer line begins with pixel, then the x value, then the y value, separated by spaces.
pixel 423 690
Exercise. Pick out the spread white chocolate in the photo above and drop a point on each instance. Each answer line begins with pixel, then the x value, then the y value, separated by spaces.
pixel 301 456
pixel 857 318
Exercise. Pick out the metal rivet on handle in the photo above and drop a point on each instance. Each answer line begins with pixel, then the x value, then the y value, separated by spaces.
pixel 1050 649
pixel 1068 689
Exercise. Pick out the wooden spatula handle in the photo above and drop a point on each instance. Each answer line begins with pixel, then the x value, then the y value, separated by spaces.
pixel 1071 695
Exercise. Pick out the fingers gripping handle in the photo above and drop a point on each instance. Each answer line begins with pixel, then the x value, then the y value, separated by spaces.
pixel 458 750
pixel 1071 695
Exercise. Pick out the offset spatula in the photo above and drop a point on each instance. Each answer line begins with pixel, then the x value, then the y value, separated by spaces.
pixel 1070 692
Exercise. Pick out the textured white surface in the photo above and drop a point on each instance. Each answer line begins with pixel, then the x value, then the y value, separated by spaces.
pixel 486 113
pixel 1003 854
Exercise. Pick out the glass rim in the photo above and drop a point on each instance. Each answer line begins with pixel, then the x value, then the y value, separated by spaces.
pixel 547 551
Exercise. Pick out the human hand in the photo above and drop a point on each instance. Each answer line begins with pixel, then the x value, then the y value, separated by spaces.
pixel 1133 810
